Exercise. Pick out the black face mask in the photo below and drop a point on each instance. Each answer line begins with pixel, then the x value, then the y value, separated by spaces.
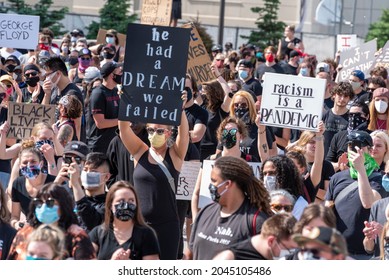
pixel 125 211
pixel 117 78
pixel 108 55
pixel 73 60
pixel 10 68
pixel 355 121
pixel 229 138
pixel 243 114
pixel 33 81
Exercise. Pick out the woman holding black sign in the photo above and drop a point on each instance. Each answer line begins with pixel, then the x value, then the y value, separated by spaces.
pixel 156 177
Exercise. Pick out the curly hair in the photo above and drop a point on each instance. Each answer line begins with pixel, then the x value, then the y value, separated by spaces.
pixel 239 123
pixel 215 95
pixel 343 89
pixel 287 175
pixel 238 171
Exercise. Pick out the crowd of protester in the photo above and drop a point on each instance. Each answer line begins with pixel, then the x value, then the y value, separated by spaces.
pixel 91 186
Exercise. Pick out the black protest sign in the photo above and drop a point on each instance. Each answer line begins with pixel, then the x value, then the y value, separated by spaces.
pixel 199 63
pixel 154 74
pixel 292 101
pixel 358 58
pixel 382 59
pixel 22 117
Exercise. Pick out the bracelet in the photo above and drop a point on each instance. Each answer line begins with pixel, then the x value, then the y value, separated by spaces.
pixel 262 131
pixel 53 166
pixel 318 138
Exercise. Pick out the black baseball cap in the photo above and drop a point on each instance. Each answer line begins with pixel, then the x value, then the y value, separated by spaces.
pixel 109 67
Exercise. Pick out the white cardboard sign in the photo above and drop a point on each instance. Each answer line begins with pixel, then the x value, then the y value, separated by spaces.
pixel 346 41
pixel 187 180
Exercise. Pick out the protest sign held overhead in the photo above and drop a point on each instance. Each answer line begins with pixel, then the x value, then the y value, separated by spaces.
pixel 199 62
pixel 187 180
pixel 344 42
pixel 292 101
pixel 22 117
pixel 156 12
pixel 19 31
pixel 205 196
pixel 382 59
pixel 358 58
pixel 154 78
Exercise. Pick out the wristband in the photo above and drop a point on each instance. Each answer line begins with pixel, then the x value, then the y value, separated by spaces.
pixel 230 94
pixel 318 138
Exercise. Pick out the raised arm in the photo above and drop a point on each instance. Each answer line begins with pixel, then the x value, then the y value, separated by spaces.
pixel 317 166
pixel 227 91
pixel 134 145
pixel 263 148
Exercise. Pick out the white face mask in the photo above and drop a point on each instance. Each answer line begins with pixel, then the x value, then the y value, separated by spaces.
pixel 270 183
pixel 90 180
pixel 355 85
pixel 381 106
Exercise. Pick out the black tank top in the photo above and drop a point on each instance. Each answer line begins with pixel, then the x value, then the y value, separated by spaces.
pixel 77 80
pixel 157 200
pixel 117 55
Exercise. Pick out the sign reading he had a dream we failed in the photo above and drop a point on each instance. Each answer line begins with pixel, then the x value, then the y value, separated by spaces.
pixel 292 102
pixel 154 74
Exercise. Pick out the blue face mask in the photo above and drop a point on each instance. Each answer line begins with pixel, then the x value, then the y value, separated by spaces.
pixel 40 143
pixel 110 40
pixel 304 72
pixel 31 258
pixel 385 182
pixel 47 215
pixel 243 74
pixel 30 171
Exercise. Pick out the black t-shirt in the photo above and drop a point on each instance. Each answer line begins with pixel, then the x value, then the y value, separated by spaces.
pixel 103 101
pixel 377 214
pixel 254 86
pixel 326 172
pixel 334 124
pixel 7 234
pixel 70 87
pixel 20 194
pixel 143 242
pixel 284 45
pixel 289 69
pixel 350 214
pixel 27 96
pixel 196 115
pixel 212 233
pixel 263 68
pixel 245 251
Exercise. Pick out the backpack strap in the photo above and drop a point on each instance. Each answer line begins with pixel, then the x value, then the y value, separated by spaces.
pixel 254 223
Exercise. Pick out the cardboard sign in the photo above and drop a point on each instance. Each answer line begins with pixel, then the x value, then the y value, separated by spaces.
pixel 292 102
pixel 156 12
pixel 19 31
pixel 383 58
pixel 344 42
pixel 358 58
pixel 154 78
pixel 22 117
pixel 187 180
pixel 101 38
pixel 199 63
pixel 205 196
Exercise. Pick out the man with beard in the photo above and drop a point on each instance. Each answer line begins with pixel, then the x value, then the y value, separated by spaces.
pixel 358 119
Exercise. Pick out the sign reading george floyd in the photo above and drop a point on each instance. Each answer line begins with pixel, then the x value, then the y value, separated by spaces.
pixel 22 117
pixel 199 63
pixel 156 12
pixel 358 58
pixel 292 102
pixel 19 31
pixel 154 74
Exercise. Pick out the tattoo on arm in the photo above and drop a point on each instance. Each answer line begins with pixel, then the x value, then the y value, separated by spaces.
pixel 264 147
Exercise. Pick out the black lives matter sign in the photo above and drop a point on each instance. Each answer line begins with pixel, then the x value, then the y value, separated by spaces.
pixel 154 74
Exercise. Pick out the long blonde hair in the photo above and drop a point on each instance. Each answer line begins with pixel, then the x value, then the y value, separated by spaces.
pixel 250 104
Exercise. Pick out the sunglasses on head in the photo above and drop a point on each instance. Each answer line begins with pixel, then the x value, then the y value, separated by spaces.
pixel 31 74
pixel 159 131
pixel 279 207
pixel 39 202
pixel 69 159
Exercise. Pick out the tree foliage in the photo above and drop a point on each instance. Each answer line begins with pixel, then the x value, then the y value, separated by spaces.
pixel 380 30
pixel 113 15
pixel 48 17
pixel 270 30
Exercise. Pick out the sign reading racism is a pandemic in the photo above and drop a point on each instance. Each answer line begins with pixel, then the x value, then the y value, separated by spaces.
pixel 358 58
pixel 19 31
pixel 292 102
pixel 22 117
pixel 199 62
pixel 156 12
pixel 154 74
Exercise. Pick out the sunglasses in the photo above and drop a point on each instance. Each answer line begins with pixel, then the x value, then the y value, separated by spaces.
pixel 69 159
pixel 32 74
pixel 159 131
pixel 370 89
pixel 109 35
pixel 315 252
pixel 232 131
pixel 240 105
pixel 39 202
pixel 85 58
pixel 8 85
pixel 279 207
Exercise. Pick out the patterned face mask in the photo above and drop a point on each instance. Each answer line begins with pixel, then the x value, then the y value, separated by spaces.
pixel 355 121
